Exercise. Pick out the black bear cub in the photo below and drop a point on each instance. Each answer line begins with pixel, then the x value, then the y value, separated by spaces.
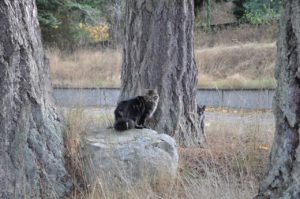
pixel 200 111
pixel 132 113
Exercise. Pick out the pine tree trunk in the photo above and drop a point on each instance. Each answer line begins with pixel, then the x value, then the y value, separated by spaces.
pixel 159 53
pixel 31 141
pixel 283 177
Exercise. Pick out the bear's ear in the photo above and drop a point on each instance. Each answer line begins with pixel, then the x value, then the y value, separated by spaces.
pixel 155 91
pixel 150 92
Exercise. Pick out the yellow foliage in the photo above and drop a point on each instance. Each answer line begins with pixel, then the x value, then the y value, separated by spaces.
pixel 97 33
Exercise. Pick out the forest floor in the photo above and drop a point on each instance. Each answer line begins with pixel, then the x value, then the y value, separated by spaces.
pixel 230 166
pixel 233 57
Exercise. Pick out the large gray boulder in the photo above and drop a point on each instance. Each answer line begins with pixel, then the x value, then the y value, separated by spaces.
pixel 118 160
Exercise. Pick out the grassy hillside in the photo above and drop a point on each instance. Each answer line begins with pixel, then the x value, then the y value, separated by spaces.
pixel 234 57
pixel 248 65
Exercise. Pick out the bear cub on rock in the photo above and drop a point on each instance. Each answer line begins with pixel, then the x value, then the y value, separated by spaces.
pixel 132 113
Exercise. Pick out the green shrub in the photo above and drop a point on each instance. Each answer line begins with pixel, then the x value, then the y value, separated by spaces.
pixel 257 11
pixel 60 21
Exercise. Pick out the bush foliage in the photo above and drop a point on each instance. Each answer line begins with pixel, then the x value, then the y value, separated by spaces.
pixel 257 11
pixel 67 24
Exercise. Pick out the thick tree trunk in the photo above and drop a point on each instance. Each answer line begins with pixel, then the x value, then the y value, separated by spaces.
pixel 159 53
pixel 283 177
pixel 31 141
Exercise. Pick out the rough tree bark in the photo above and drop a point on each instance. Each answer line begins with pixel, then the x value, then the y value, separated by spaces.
pixel 159 53
pixel 283 177
pixel 31 141
pixel 116 9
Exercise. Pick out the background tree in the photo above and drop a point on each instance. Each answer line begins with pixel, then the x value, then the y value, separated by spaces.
pixel 159 53
pixel 31 140
pixel 283 177
pixel 62 22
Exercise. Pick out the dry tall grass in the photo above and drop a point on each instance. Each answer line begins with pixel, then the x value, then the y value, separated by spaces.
pixel 85 68
pixel 230 57
pixel 230 167
pixel 248 65
pixel 228 36
pixel 239 66
pixel 76 123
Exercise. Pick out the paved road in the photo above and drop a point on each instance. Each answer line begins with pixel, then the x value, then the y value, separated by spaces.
pixel 250 117
pixel 233 98
pixel 247 117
